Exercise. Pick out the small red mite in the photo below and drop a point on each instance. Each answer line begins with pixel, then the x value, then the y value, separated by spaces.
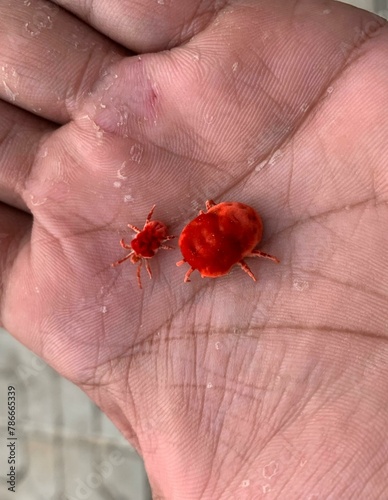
pixel 145 244
pixel 221 237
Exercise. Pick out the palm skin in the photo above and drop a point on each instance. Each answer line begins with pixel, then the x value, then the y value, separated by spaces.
pixel 228 388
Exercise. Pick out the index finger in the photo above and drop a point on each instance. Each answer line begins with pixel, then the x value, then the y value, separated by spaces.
pixel 149 25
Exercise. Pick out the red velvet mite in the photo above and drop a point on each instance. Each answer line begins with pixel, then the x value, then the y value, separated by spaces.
pixel 221 237
pixel 145 244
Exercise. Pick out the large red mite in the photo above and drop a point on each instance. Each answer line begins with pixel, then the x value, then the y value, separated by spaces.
pixel 221 237
pixel 145 244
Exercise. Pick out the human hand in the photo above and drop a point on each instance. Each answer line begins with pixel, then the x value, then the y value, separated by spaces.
pixel 228 388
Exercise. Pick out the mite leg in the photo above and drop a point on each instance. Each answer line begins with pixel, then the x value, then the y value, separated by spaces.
pixel 149 215
pixel 258 253
pixel 210 204
pixel 138 274
pixel 148 269
pixel 134 228
pixel 125 245
pixel 187 275
pixel 122 260
pixel 166 247
pixel 244 266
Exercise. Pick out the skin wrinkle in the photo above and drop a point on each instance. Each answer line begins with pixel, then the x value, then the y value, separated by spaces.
pixel 240 393
pixel 331 491
pixel 356 53
pixel 213 467
pixel 130 432
pixel 192 33
pixel 61 243
pixel 356 226
pixel 23 176
pixel 89 11
pixel 228 391
pixel 360 288
pixel 287 419
pixel 369 480
pixel 75 234
pixel 323 402
pixel 327 163
pixel 374 190
pixel 348 462
pixel 319 99
pixel 233 453
pixel 232 449
pixel 137 349
pixel 316 481
pixel 290 175
pixel 247 462
pixel 188 24
pixel 317 217
pixel 74 95
pixel 233 80
pixel 277 107
pixel 8 134
pixel 129 397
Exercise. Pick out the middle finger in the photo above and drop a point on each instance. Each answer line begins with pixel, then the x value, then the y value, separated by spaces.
pixel 49 58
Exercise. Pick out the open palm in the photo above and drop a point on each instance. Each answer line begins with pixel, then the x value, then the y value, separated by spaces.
pixel 228 388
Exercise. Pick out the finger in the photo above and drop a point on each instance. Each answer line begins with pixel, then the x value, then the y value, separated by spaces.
pixel 149 25
pixel 20 137
pixel 15 227
pixel 50 59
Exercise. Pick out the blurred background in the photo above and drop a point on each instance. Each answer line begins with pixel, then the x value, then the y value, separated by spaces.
pixel 67 449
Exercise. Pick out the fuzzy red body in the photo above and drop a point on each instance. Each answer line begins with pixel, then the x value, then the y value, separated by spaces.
pixel 145 244
pixel 220 238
